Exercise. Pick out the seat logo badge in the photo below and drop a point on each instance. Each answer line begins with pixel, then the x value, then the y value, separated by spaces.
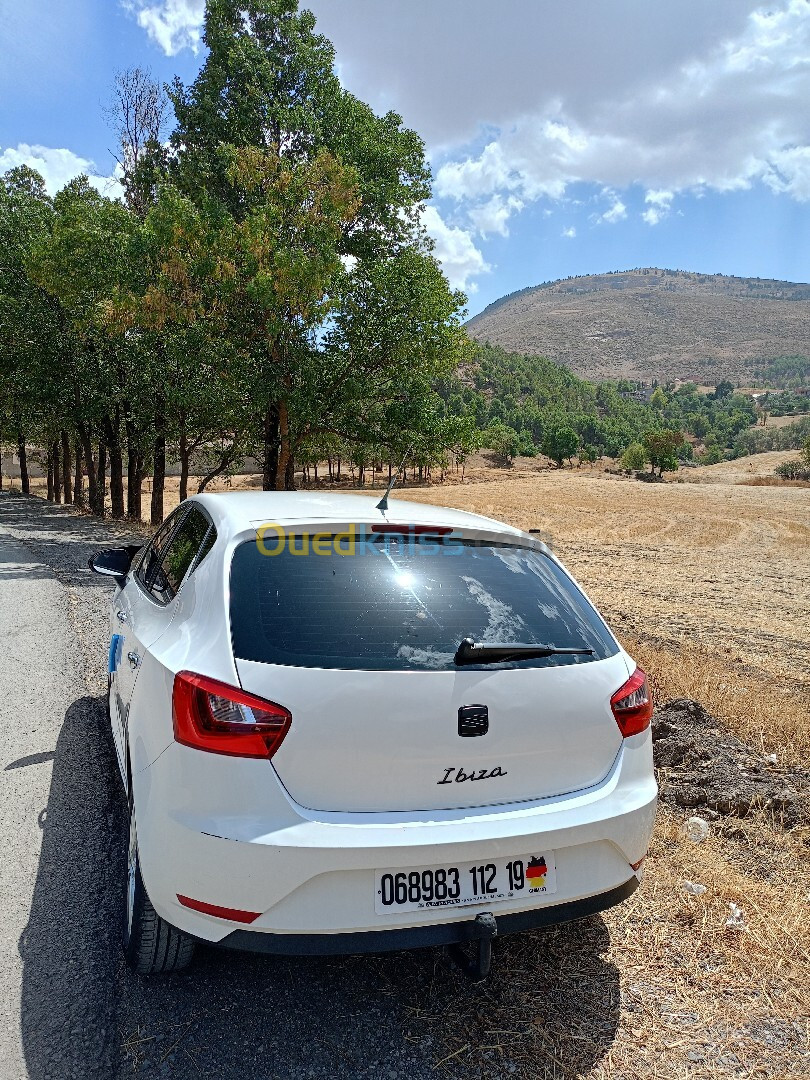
pixel 461 776
pixel 473 720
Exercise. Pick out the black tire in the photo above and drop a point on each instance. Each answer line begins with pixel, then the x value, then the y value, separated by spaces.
pixel 151 945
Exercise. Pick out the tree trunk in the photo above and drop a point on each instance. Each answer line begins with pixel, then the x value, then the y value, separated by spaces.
pixel 289 474
pixel 57 473
pixel 25 483
pixel 134 470
pixel 90 466
pixel 158 467
pixel 66 468
pixel 78 479
pixel 270 462
pixel 284 454
pixel 112 437
pixel 140 473
pixel 101 480
pixel 184 455
pixel 50 476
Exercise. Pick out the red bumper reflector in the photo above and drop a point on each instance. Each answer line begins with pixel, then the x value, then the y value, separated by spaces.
pixel 229 913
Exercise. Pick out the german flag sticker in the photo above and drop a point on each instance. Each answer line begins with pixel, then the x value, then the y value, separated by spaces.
pixel 536 872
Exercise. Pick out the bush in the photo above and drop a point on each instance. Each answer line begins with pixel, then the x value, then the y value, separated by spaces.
pixel 634 458
pixel 503 441
pixel 798 469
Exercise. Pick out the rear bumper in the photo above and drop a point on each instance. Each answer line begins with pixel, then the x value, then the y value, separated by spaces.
pixel 224 832
pixel 417 937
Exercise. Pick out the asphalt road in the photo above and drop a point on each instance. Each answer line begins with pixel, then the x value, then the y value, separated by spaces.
pixel 69 1007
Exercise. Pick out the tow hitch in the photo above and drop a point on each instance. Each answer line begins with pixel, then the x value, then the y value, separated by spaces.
pixel 481 932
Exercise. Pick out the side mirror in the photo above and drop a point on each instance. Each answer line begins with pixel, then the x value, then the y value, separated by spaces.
pixel 112 562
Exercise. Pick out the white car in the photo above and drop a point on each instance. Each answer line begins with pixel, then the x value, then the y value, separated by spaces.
pixel 343 729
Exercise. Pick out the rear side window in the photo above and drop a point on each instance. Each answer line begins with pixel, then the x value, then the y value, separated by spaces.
pixel 150 561
pixel 173 560
pixel 404 604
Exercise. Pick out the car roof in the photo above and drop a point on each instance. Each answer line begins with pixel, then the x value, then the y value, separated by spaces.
pixel 237 511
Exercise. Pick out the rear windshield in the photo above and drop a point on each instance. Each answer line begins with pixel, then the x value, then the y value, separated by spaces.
pixel 403 604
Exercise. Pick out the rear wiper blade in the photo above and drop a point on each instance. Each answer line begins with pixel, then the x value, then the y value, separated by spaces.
pixel 486 652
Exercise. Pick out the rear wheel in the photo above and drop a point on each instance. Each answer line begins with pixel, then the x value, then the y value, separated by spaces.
pixel 151 945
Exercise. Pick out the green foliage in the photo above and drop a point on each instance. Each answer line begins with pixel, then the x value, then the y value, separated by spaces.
pixel 713 455
pixel 758 440
pixel 634 458
pixel 658 399
pixel 785 403
pixel 798 469
pixel 503 441
pixel 785 372
pixel 268 287
pixel 662 449
pixel 559 443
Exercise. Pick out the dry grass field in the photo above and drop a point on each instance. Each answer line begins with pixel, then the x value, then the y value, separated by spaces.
pixel 708 584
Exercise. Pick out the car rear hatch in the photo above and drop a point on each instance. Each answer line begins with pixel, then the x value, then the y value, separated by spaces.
pixel 359 645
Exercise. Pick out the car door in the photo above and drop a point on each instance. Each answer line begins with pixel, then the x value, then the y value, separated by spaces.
pixel 139 619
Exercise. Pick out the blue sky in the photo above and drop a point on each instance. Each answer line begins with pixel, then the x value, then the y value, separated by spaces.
pixel 565 138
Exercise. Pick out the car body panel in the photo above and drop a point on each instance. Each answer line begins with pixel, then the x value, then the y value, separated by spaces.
pixel 225 830
pixel 197 843
pixel 388 740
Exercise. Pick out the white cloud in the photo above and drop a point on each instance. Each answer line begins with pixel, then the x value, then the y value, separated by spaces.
pixel 492 216
pixel 172 24
pixel 659 203
pixel 788 172
pixel 471 178
pixel 455 250
pixel 57 167
pixel 569 233
pixel 724 121
pixel 617 212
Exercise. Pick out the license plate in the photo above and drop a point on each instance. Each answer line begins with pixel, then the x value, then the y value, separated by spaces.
pixel 431 888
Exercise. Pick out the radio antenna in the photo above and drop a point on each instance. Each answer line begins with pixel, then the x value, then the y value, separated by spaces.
pixel 382 505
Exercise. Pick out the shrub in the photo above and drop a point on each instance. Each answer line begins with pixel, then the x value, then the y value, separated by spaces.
pixel 634 458
pixel 797 469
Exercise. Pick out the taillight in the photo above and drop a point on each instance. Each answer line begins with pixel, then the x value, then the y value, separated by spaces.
pixel 210 715
pixel 632 704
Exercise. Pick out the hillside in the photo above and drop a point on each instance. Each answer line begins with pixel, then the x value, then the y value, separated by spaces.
pixel 651 323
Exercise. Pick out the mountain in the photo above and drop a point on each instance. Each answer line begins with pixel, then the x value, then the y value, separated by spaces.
pixel 653 324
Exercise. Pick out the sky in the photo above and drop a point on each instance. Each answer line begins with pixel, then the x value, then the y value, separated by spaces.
pixel 565 136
